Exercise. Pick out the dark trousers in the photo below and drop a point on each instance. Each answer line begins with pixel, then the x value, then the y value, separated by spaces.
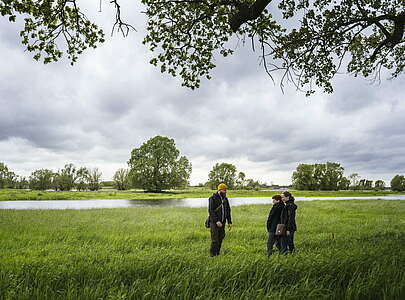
pixel 273 239
pixel 217 235
pixel 287 243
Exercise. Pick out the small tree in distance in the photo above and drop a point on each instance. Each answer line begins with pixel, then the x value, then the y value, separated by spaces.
pixel 222 173
pixel 121 179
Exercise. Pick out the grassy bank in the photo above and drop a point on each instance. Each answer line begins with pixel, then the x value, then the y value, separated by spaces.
pixel 10 194
pixel 346 250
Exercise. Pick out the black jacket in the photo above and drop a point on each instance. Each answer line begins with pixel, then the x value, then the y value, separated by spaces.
pixel 274 216
pixel 215 211
pixel 288 216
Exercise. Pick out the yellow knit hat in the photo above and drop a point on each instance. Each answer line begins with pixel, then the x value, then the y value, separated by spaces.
pixel 222 186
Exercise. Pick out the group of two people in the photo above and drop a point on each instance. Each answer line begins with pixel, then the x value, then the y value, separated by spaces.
pixel 282 212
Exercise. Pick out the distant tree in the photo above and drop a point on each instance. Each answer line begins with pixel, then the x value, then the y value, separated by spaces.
pixel 252 184
pixel 121 179
pixel 241 181
pixel 303 177
pixel 81 181
pixel 21 183
pixel 156 165
pixel 94 179
pixel 222 173
pixel 398 183
pixel 354 181
pixel 66 178
pixel 7 177
pixel 326 176
pixel 365 184
pixel 344 184
pixel 333 176
pixel 41 179
pixel 379 185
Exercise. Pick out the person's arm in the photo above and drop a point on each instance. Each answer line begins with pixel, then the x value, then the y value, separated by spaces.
pixel 211 210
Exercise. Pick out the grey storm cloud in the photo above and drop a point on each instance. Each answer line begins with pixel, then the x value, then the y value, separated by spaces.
pixel 113 100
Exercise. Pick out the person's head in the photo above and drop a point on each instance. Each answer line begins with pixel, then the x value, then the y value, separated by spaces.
pixel 285 196
pixel 276 199
pixel 222 189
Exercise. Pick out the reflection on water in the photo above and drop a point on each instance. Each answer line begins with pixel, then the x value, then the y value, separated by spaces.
pixel 186 202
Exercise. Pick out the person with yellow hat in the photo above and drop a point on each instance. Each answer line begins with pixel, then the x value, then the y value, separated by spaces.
pixel 219 213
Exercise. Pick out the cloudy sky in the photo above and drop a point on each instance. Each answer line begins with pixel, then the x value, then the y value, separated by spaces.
pixel 113 100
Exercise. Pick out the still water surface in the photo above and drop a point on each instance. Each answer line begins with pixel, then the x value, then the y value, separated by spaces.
pixel 185 202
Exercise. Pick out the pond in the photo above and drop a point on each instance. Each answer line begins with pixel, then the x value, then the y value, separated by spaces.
pixel 186 202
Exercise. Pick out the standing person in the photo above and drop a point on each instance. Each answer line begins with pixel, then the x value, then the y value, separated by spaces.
pixel 220 212
pixel 288 218
pixel 273 219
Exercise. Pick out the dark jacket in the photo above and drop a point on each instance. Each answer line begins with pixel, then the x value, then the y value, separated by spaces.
pixel 274 216
pixel 288 216
pixel 216 212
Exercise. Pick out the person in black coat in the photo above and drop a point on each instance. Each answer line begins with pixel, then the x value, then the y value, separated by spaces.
pixel 288 218
pixel 273 219
pixel 220 212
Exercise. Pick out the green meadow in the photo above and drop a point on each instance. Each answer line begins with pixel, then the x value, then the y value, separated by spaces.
pixel 350 249
pixel 13 194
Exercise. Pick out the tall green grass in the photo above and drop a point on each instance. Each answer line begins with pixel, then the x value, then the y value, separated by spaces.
pixel 346 250
pixel 12 194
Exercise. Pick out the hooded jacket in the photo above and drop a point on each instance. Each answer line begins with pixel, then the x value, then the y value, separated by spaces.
pixel 288 215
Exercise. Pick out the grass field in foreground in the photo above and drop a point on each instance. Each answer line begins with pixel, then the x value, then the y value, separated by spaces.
pixel 346 250
pixel 11 194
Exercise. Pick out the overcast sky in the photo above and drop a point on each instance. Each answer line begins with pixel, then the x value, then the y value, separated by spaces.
pixel 113 100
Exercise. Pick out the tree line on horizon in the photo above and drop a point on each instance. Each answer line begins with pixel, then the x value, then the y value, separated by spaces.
pixel 329 176
pixel 157 165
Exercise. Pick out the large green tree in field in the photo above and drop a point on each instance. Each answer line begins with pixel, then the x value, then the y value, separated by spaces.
pixel 398 183
pixel 222 173
pixel 324 37
pixel 156 165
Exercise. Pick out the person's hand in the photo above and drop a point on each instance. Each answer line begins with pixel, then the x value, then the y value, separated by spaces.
pixel 219 224
pixel 229 227
pixel 288 233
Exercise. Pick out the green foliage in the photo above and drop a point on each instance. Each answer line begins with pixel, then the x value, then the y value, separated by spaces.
pixel 160 253
pixel 344 184
pixel 327 176
pixel 48 21
pixel 398 183
pixel 379 185
pixel 322 38
pixel 41 179
pixel 122 180
pixel 156 165
pixel 365 184
pixel 65 179
pixel 94 179
pixel 7 178
pixel 222 173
